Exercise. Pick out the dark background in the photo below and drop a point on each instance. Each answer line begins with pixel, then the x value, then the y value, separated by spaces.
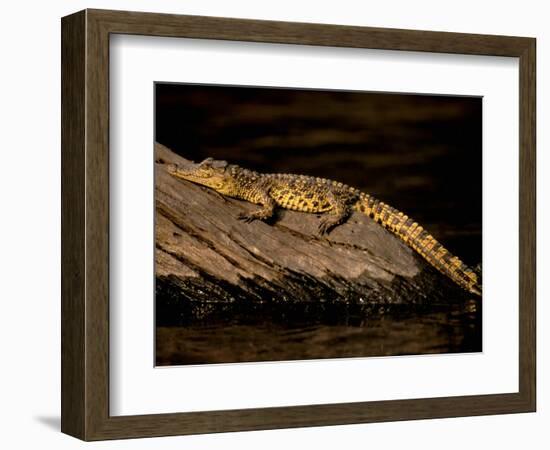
pixel 420 153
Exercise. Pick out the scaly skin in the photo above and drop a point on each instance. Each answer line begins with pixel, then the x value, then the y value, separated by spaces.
pixel 318 195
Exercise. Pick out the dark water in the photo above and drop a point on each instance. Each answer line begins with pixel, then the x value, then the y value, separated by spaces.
pixel 348 332
pixel 419 153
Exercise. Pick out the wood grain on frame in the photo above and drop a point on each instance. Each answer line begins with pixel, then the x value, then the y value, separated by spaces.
pixel 85 224
pixel 73 224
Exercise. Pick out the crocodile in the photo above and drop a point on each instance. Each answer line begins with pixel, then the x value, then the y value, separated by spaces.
pixel 319 195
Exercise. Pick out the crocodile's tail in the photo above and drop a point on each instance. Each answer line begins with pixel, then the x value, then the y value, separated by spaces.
pixel 421 241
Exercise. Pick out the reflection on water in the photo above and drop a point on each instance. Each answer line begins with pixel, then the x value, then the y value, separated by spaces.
pixel 357 332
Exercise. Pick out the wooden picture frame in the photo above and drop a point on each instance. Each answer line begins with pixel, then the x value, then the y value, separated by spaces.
pixel 85 224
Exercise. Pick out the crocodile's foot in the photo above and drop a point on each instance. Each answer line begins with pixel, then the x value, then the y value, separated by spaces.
pixel 327 225
pixel 251 217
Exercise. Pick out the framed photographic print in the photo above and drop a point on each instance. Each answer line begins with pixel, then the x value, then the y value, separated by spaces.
pixel 271 224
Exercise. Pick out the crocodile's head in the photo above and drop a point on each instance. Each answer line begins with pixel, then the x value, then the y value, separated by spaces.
pixel 210 172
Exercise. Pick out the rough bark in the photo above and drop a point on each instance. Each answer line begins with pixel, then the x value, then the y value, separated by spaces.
pixel 205 256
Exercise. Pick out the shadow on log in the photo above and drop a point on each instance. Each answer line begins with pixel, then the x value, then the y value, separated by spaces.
pixel 206 258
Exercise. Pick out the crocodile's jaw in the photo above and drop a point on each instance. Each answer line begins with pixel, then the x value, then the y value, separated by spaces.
pixel 196 173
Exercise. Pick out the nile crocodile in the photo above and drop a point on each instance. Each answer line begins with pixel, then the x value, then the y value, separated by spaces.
pixel 318 195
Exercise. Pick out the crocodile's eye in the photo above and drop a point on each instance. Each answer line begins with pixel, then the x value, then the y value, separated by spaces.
pixel 219 164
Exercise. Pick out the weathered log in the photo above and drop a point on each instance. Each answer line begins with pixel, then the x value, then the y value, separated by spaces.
pixel 206 256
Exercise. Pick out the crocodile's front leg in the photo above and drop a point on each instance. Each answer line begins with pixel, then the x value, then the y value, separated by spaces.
pixel 259 194
pixel 264 213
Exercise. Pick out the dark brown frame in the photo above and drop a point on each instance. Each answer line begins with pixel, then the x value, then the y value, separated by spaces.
pixel 85 224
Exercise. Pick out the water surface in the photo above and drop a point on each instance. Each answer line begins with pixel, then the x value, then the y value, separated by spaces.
pixel 342 332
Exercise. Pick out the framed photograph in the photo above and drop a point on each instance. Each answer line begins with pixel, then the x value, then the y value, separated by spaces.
pixel 272 224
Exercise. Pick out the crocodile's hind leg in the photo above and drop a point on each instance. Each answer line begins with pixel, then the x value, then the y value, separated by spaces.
pixel 337 215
